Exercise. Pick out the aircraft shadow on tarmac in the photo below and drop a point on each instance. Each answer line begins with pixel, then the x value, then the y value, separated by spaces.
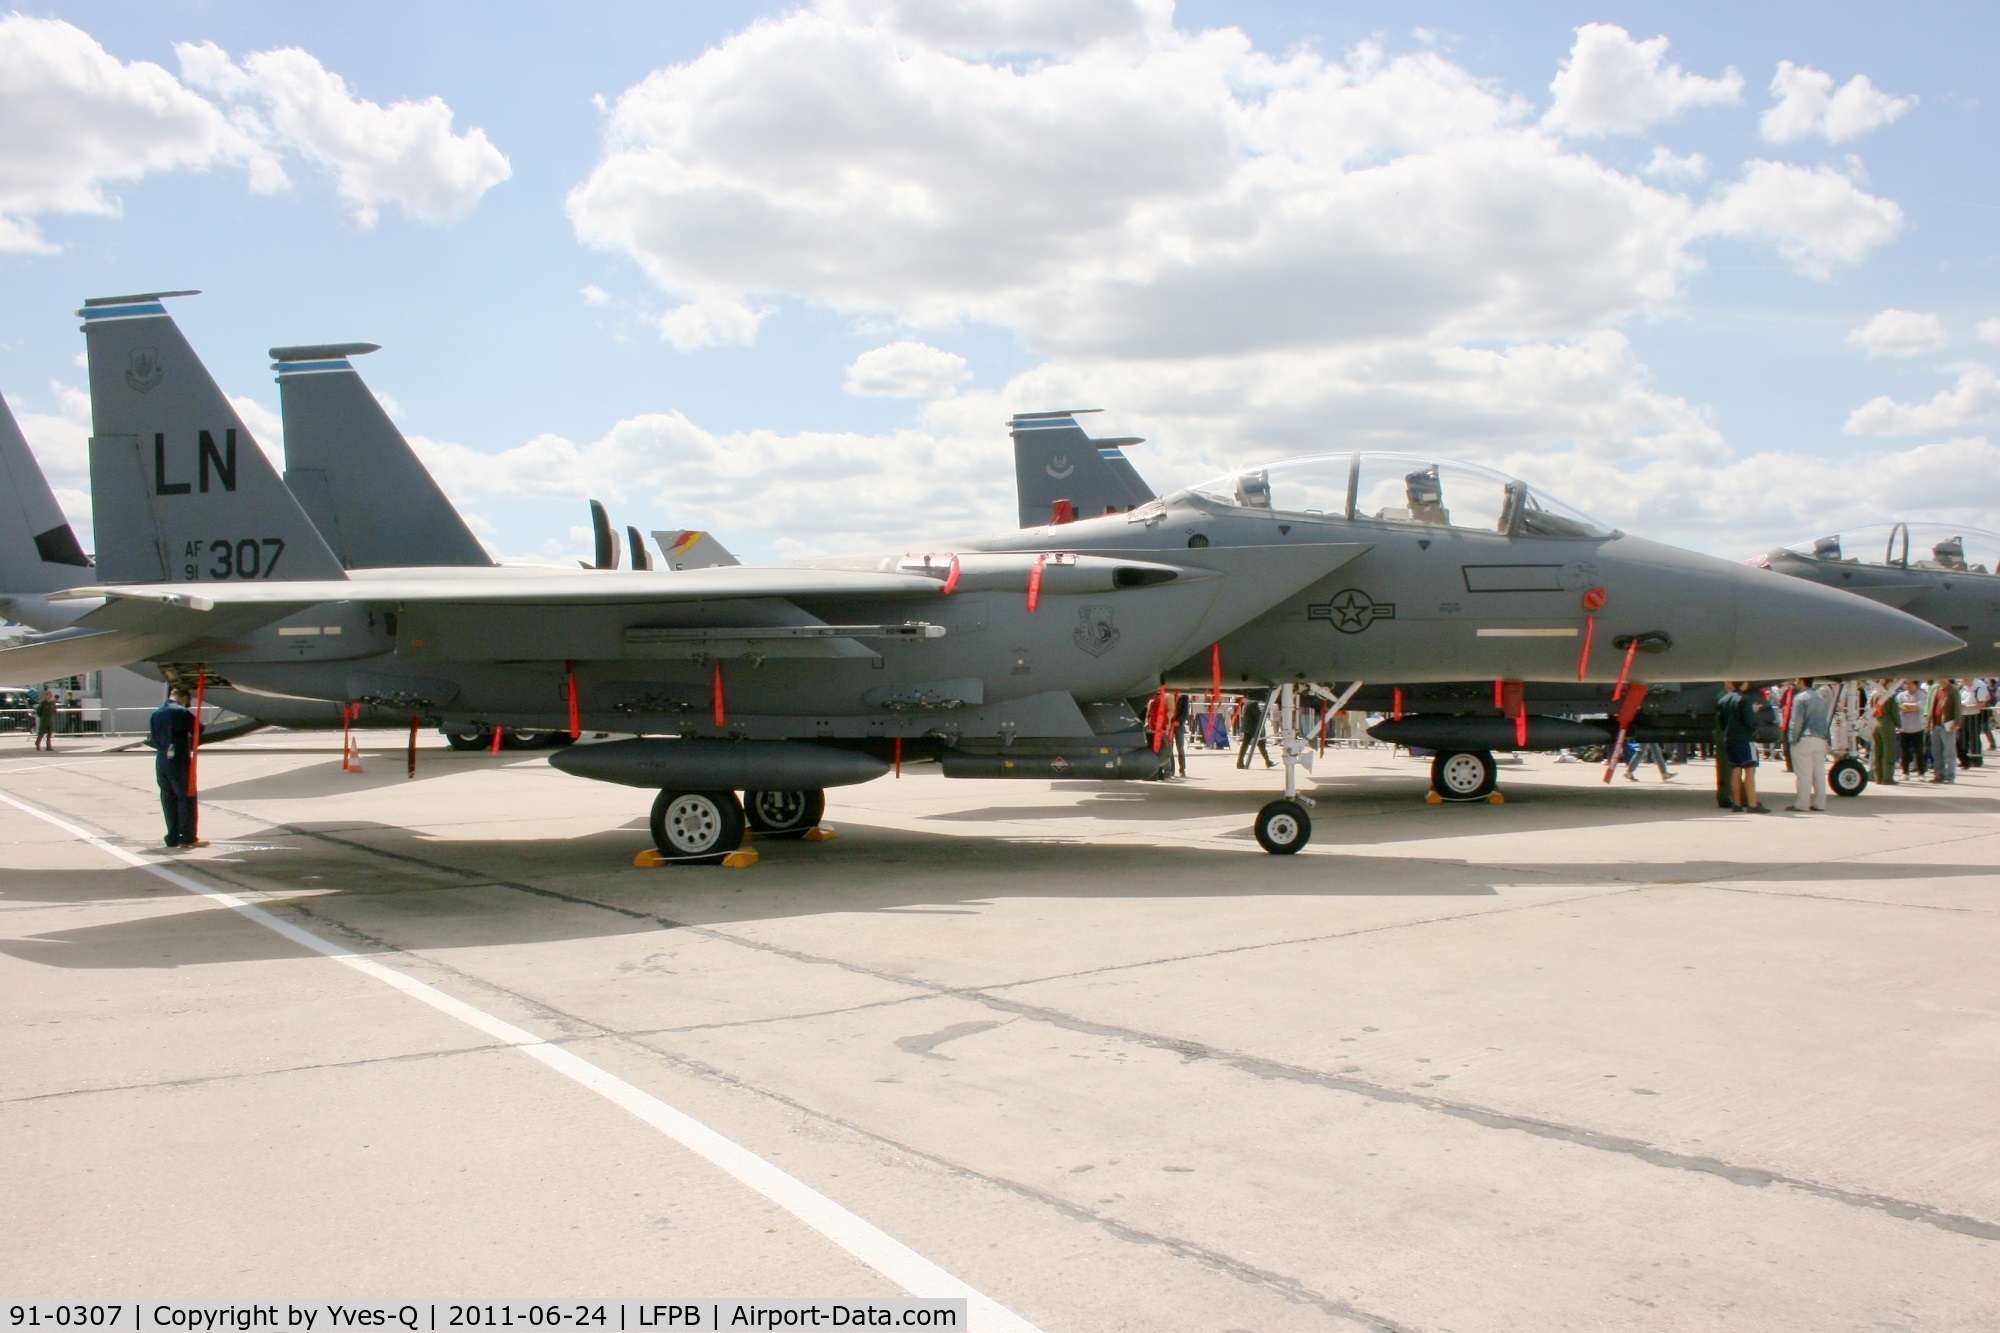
pixel 428 893
pixel 1364 811
pixel 329 779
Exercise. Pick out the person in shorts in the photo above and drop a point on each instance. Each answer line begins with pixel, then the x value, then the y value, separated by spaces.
pixel 1739 744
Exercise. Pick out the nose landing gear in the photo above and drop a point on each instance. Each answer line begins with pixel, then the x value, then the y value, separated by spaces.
pixel 1284 826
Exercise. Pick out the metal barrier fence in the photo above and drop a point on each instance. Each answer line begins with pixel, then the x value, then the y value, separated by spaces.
pixel 93 719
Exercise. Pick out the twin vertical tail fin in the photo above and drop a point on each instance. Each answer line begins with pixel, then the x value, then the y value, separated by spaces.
pixel 39 551
pixel 181 491
pixel 1060 473
pixel 355 475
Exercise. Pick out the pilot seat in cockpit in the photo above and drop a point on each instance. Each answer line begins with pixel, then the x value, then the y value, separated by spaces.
pixel 1426 496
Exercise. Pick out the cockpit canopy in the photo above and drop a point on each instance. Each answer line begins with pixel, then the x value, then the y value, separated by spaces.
pixel 1907 546
pixel 1400 488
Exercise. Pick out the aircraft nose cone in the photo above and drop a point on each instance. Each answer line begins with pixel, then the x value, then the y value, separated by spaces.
pixel 1788 627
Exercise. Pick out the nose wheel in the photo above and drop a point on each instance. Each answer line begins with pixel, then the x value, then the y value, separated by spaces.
pixel 1848 777
pixel 1283 827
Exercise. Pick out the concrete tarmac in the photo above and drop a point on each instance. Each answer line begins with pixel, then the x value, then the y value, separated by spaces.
pixel 1599 1057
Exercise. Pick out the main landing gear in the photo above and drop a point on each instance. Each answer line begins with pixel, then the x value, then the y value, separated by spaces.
pixel 784 814
pixel 472 736
pixel 1464 775
pixel 700 828
pixel 697 828
pixel 1848 777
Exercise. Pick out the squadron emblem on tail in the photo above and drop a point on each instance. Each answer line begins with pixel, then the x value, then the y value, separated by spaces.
pixel 145 372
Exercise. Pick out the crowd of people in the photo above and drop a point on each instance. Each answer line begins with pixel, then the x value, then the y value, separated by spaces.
pixel 1904 730
pixel 1908 730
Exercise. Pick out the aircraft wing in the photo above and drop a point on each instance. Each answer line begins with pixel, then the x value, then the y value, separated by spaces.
pixel 119 633
pixel 910 577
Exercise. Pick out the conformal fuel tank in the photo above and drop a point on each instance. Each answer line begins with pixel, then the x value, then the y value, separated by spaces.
pixel 701 764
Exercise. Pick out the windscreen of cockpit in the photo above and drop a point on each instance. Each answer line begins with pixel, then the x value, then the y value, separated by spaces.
pixel 1907 546
pixel 1394 488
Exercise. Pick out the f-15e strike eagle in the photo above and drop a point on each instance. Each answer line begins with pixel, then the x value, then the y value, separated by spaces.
pixel 1013 655
pixel 1487 616
pixel 786 678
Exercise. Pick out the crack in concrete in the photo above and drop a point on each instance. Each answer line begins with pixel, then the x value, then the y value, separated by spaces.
pixel 243 1075
pixel 584 1030
pixel 1258 1067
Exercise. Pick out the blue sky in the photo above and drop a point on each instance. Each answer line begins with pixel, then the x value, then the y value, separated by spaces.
pixel 1199 233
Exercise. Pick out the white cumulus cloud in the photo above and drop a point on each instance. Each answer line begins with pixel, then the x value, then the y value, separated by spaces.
pixel 1670 165
pixel 906 370
pixel 1611 84
pixel 1988 330
pixel 992 27
pixel 403 154
pixel 1973 401
pixel 1900 333
pixel 1808 104
pixel 710 322
pixel 1817 216
pixel 76 119
pixel 1183 196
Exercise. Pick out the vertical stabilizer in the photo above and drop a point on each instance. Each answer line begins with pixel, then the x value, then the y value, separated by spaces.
pixel 693 550
pixel 180 489
pixel 38 549
pixel 1054 461
pixel 354 473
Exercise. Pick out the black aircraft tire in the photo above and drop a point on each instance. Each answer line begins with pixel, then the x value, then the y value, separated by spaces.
pixel 784 814
pixel 560 738
pixel 466 736
pixel 1464 775
pixel 513 738
pixel 1283 827
pixel 1848 777
pixel 696 828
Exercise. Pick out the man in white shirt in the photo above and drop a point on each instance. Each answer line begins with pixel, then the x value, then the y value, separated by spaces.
pixel 1911 728
pixel 1974 698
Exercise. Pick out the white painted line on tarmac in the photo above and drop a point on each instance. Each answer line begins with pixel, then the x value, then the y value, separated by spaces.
pixel 859 1237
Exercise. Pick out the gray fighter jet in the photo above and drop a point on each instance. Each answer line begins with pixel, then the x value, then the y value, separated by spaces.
pixel 1473 574
pixel 1946 574
pixel 778 680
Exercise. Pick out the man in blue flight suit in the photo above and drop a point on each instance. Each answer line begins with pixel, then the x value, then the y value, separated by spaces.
pixel 171 735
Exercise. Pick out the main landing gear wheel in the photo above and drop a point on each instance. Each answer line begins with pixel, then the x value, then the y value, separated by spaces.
pixel 784 814
pixel 1848 777
pixel 1464 775
pixel 1283 827
pixel 466 736
pixel 697 828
